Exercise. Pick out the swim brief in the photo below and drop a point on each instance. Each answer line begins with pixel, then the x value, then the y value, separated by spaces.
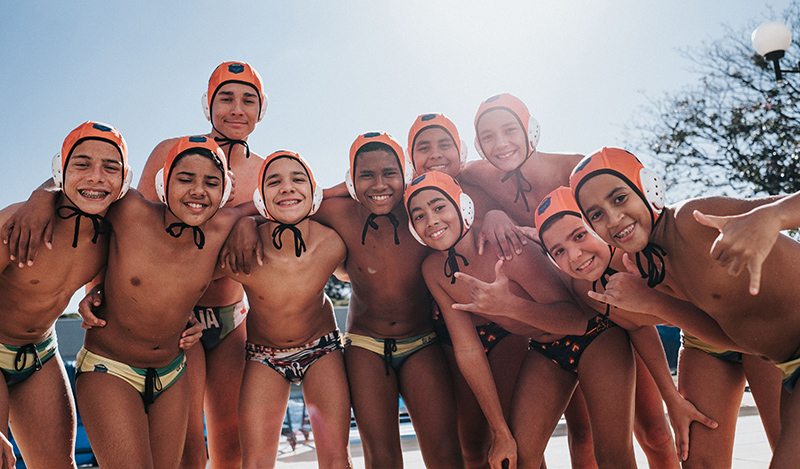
pixel 219 321
pixel 395 352
pixel 293 363
pixel 149 382
pixel 490 334
pixel 790 371
pixel 566 352
pixel 18 363
pixel 690 341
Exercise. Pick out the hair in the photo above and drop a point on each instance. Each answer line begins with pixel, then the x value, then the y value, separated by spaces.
pixel 375 146
pixel 202 152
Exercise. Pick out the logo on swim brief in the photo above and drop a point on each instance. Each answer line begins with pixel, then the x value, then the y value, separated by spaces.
pixel 100 368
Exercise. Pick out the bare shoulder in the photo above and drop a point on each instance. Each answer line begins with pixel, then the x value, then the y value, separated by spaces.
pixel 333 210
pixel 560 162
pixel 431 269
pixel 8 211
pixel 131 208
pixel 476 171
pixel 721 206
pixel 329 238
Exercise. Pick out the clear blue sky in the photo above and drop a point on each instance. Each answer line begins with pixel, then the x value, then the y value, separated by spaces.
pixel 333 70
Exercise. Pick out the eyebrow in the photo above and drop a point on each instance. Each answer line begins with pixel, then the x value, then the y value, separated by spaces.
pixel 293 173
pixel 104 160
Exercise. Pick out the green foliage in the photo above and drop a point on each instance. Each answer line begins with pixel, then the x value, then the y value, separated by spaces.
pixel 736 131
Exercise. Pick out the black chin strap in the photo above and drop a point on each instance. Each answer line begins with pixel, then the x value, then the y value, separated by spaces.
pixel 100 224
pixel 523 185
pixel 197 233
pixel 230 142
pixel 371 224
pixel 299 244
pixel 451 264
pixel 655 271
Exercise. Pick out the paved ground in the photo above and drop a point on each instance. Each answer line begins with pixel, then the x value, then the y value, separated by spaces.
pixel 751 450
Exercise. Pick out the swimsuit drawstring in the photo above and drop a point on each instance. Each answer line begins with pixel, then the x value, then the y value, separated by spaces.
pixel 451 264
pixel 389 347
pixel 197 233
pixel 99 223
pixel 523 185
pixel 152 385
pixel 22 356
pixel 371 224
pixel 299 244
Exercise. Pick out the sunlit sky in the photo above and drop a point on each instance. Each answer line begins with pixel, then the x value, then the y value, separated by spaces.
pixel 333 70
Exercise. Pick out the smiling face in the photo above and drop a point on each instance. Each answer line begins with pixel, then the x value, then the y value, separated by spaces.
pixel 234 111
pixel 435 150
pixel 195 189
pixel 576 251
pixel 502 139
pixel 93 176
pixel 287 190
pixel 616 212
pixel 378 181
pixel 435 219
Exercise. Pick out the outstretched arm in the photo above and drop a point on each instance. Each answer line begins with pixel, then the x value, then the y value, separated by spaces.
pixel 628 291
pixel 31 225
pixel 495 301
pixel 474 366
pixel 745 240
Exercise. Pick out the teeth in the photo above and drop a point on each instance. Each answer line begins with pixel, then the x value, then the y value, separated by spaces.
pixel 437 234
pixel 93 194
pixel 438 167
pixel 504 155
pixel 379 198
pixel 624 232
pixel 289 202
pixel 195 205
pixel 585 264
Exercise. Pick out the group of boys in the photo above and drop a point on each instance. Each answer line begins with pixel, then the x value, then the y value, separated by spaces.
pixel 474 398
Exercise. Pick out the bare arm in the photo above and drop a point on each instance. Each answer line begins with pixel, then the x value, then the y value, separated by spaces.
pixel 745 240
pixel 474 366
pixel 32 224
pixel 495 299
pixel 7 458
pixel 628 291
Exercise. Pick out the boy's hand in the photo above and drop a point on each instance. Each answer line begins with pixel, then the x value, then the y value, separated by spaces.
pixel 29 226
pixel 681 415
pixel 626 290
pixel 486 298
pixel 88 304
pixel 503 453
pixel 503 235
pixel 243 241
pixel 7 457
pixel 744 241
pixel 192 334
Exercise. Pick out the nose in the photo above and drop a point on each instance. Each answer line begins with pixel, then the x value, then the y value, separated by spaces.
pixel 97 173
pixel 286 186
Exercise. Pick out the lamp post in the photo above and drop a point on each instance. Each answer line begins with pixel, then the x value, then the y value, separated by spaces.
pixel 771 40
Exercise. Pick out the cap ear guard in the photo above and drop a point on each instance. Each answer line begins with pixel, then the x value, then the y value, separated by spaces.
pixel 160 183
pixel 467 210
pixel 653 188
pixel 206 107
pixel 462 153
pixel 226 192
pixel 348 182
pixel 58 172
